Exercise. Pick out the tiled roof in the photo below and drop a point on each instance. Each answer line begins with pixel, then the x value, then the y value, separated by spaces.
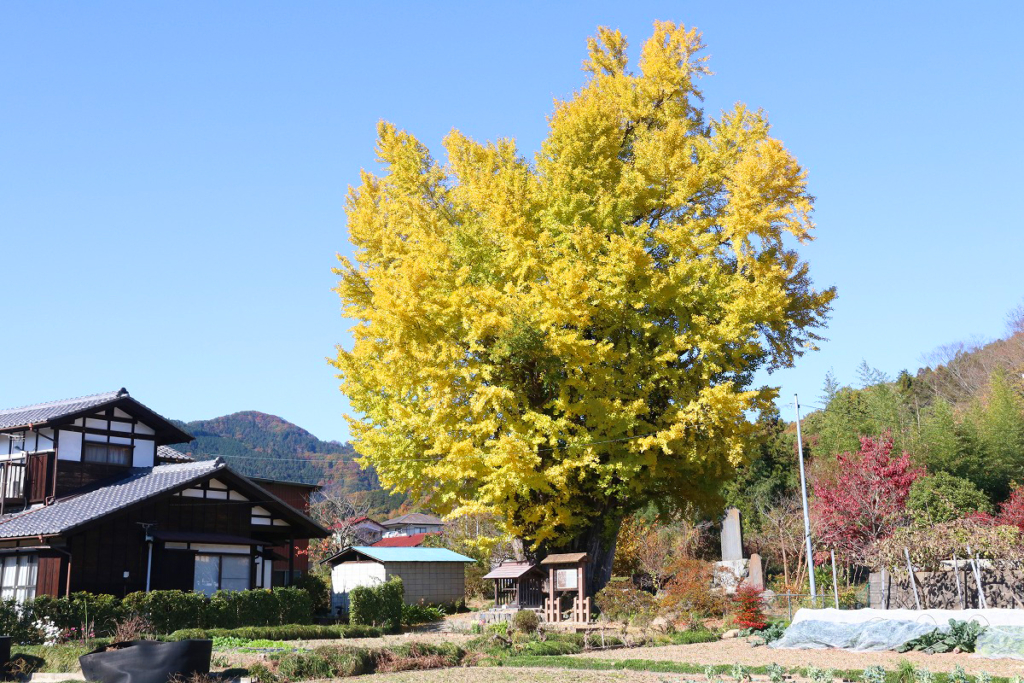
pixel 68 513
pixel 403 554
pixel 168 453
pixel 43 412
pixel 411 541
pixel 413 518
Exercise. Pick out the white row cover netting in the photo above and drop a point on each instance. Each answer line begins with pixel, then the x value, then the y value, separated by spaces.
pixel 866 636
pixel 870 630
pixel 1001 642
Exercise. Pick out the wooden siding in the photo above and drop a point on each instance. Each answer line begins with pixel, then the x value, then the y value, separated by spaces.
pixel 296 496
pixel 103 552
pixel 72 474
pixel 40 476
pixel 51 578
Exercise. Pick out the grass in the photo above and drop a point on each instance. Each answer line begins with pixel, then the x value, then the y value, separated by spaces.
pixel 47 658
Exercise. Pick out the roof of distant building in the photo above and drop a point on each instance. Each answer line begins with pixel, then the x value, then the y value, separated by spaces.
pixel 410 541
pixel 169 454
pixel 414 518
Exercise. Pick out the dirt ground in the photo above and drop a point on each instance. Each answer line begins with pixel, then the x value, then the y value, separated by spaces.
pixel 523 675
pixel 739 650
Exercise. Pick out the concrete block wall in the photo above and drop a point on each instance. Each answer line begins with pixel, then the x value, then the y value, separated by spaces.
pixel 430 582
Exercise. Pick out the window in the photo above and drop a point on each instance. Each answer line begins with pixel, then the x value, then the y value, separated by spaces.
pixel 221 572
pixel 18 577
pixel 110 453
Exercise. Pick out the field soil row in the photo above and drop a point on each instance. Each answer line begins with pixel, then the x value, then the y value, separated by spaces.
pixel 738 650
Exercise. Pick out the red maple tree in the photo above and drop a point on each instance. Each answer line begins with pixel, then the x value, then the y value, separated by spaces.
pixel 1011 511
pixel 866 501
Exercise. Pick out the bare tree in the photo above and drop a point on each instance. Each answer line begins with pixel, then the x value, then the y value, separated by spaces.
pixel 338 513
pixel 781 537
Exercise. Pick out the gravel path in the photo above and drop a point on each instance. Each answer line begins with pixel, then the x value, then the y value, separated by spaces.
pixel 738 650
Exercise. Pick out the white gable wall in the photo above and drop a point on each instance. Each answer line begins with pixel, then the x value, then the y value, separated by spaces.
pixel 70 443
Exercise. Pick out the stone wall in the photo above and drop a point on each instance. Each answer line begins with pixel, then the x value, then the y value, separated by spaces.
pixel 937 590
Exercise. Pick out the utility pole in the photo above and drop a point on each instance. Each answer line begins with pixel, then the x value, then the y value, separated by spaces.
pixel 803 492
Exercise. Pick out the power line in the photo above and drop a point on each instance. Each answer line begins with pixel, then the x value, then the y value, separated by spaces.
pixel 434 459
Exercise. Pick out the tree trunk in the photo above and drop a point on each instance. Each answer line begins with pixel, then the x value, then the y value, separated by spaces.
pixel 598 542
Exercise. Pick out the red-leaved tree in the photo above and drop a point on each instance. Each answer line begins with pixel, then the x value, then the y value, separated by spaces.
pixel 866 501
pixel 1011 512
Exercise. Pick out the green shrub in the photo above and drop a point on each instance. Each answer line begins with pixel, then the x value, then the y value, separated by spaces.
pixel 421 614
pixel 169 610
pixel 325 662
pixel 526 621
pixel 379 605
pixel 626 604
pixel 287 632
pixel 549 648
pixel 318 585
pixel 79 611
pixel 17 623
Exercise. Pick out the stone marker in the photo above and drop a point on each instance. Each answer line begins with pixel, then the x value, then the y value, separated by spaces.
pixel 754 576
pixel 732 536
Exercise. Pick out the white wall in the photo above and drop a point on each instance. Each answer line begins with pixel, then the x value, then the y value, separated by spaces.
pixel 348 575
pixel 69 445
pixel 145 454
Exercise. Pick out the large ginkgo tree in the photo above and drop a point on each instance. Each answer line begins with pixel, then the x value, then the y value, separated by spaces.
pixel 563 340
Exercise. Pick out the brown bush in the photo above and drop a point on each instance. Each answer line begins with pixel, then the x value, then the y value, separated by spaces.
pixel 689 589
pixel 132 627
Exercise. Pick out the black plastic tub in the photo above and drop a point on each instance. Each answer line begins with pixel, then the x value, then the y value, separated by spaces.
pixel 5 651
pixel 147 661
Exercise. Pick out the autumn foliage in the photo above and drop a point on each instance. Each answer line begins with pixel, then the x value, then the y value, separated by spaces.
pixel 866 500
pixel 560 339
pixel 749 603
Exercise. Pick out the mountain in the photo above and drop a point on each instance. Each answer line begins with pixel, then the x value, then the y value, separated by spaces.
pixel 262 445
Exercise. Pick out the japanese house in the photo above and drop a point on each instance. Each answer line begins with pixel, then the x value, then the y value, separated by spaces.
pixel 412 523
pixel 93 498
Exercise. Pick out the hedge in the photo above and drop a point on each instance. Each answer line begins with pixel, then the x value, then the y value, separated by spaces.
pixel 379 605
pixel 167 611
pixel 287 632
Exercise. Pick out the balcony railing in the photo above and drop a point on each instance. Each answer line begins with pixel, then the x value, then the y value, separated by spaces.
pixel 26 478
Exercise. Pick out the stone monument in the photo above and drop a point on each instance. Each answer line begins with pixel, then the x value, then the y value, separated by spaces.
pixel 732 569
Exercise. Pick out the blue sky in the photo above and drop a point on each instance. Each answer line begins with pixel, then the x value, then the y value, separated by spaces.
pixel 172 174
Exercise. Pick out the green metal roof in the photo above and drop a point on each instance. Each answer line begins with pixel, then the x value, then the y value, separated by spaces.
pixel 409 554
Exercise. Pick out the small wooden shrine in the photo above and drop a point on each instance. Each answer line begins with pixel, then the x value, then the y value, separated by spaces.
pixel 517 585
pixel 566 579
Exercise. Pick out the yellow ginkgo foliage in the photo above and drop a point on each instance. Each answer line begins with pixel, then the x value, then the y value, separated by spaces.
pixel 560 342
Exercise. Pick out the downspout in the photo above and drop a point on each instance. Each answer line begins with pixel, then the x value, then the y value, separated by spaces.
pixel 149 558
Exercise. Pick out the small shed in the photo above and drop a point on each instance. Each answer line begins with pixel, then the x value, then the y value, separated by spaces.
pixel 517 585
pixel 567 578
pixel 430 575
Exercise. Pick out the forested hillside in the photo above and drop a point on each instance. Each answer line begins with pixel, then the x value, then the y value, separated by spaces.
pixel 938 452
pixel 262 445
